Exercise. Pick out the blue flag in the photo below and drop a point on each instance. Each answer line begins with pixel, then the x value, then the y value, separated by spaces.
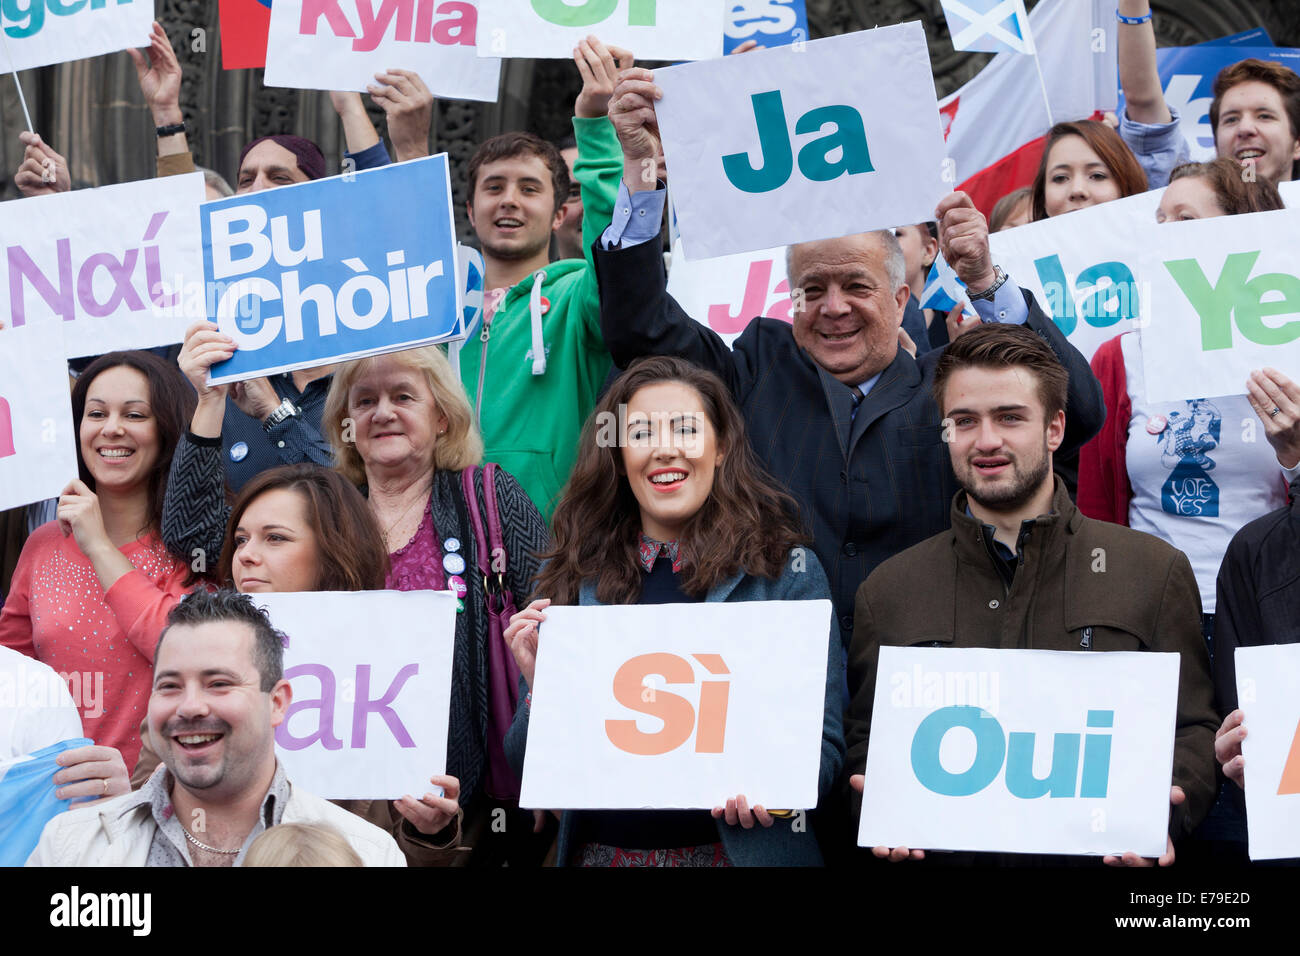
pixel 27 800
pixel 989 26
pixel 943 290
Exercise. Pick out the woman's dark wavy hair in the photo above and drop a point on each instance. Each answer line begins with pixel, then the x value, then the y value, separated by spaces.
pixel 350 548
pixel 747 523
pixel 172 401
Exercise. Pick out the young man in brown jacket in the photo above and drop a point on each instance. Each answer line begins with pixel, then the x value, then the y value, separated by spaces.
pixel 1021 567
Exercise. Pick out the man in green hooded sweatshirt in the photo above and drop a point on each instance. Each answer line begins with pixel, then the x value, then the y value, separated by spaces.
pixel 535 364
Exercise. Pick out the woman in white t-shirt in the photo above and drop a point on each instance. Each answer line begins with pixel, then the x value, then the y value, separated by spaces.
pixel 1191 472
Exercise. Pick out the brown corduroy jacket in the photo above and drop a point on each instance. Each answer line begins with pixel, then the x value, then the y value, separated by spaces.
pixel 1145 599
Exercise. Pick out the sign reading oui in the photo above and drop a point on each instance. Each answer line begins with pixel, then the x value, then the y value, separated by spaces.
pixel 339 268
pixel 1075 755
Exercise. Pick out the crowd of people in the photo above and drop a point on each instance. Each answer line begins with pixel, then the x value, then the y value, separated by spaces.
pixel 942 481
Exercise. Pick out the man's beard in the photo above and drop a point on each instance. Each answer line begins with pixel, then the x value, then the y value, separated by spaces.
pixel 1009 497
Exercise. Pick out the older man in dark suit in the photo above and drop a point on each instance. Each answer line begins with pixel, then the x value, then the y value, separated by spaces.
pixel 835 407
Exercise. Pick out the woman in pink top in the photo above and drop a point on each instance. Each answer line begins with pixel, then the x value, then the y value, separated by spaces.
pixel 92 589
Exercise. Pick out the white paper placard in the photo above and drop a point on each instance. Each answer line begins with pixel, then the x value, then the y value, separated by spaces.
pixel 650 29
pixel 728 292
pixel 1083 267
pixel 1224 300
pixel 37 437
pixel 120 266
pixel 1267 679
pixel 342 44
pixel 765 150
pixel 673 706
pixel 41 32
pixel 371 674
pixel 1021 751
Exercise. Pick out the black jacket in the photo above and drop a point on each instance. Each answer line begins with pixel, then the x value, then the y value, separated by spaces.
pixel 869 486
pixel 1258 593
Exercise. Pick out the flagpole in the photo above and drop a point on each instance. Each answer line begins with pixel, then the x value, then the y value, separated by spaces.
pixel 1042 85
pixel 22 100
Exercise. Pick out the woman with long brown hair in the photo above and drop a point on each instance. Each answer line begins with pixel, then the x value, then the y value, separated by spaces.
pixel 668 504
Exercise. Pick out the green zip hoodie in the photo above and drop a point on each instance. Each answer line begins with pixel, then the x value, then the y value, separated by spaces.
pixel 532 409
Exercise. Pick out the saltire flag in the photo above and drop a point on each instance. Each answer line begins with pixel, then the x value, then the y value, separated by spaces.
pixel 244 25
pixel 995 124
pixel 27 800
pixel 989 26
pixel 944 289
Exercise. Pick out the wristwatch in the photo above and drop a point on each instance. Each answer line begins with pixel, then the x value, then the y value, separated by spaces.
pixel 991 291
pixel 286 409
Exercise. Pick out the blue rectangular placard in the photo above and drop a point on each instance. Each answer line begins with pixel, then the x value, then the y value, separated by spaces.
pixel 335 269
pixel 772 23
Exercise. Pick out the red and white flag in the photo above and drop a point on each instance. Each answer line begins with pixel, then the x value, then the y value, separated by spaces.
pixel 995 124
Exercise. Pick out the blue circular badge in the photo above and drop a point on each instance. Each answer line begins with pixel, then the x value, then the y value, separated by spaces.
pixel 239 451
pixel 453 563
pixel 451 544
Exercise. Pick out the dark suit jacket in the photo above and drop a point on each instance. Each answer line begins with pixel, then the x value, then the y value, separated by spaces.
pixel 868 486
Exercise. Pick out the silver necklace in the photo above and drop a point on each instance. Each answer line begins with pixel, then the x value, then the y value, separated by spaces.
pixel 203 846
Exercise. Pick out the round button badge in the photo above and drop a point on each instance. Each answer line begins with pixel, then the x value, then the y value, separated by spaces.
pixel 457 584
pixel 239 451
pixel 1156 424
pixel 453 563
pixel 452 544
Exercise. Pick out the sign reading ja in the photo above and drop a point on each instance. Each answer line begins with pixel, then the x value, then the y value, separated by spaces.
pixel 766 151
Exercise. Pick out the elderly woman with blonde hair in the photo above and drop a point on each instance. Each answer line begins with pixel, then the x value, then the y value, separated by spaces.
pixel 402 431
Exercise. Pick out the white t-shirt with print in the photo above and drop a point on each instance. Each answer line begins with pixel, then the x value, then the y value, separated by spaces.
pixel 1200 469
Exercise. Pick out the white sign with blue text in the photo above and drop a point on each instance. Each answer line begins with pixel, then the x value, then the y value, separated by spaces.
pixel 1082 266
pixel 335 269
pixel 371 678
pixel 1021 751
pixel 41 32
pixel 833 137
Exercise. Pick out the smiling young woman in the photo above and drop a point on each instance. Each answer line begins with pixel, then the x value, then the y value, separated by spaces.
pixel 93 588
pixel 677 510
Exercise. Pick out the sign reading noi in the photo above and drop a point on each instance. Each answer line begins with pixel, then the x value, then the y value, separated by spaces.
pixel 1224 299
pixel 767 150
pixel 1074 754
pixel 335 269
pixel 679 705
pixel 371 679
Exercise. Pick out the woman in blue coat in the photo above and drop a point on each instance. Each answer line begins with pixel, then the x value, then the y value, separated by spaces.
pixel 668 504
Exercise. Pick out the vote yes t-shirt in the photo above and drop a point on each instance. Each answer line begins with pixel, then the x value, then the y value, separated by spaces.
pixel 1200 469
